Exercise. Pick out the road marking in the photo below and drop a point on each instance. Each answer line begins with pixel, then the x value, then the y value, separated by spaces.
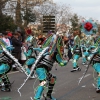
pixel 85 76
pixel 13 72
pixel 94 85
pixel 84 86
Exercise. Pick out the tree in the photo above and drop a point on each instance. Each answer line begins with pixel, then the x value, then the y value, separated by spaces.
pixel 63 14
pixel 75 22
pixel 29 17
pixel 2 5
pixel 18 14
pixel 45 9
pixel 19 8
pixel 75 25
pixel 6 22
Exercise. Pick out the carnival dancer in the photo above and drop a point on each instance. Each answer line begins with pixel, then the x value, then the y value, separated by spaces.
pixel 96 63
pixel 23 51
pixel 45 65
pixel 94 59
pixel 70 45
pixel 6 39
pixel 77 53
pixel 31 54
pixel 5 67
pixel 51 51
pixel 90 28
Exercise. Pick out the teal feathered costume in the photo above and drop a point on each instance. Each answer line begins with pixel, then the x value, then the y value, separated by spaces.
pixel 53 53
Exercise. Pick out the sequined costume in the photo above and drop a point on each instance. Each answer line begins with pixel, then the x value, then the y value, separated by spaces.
pixel 55 52
pixel 43 68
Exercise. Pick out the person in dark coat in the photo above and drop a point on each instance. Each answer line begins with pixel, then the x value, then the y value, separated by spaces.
pixel 17 47
pixel 70 44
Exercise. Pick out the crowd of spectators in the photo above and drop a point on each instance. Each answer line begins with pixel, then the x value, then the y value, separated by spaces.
pixel 16 41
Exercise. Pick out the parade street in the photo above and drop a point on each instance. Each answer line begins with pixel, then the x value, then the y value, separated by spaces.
pixel 66 87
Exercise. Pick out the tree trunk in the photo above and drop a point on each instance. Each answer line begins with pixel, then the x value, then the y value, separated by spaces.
pixel 18 14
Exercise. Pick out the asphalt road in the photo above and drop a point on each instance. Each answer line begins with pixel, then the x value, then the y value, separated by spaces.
pixel 66 87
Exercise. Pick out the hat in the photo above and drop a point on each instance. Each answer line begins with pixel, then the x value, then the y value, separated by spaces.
pixel 1 34
pixel 9 34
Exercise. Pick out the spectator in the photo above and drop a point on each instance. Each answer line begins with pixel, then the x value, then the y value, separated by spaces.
pixel 23 51
pixel 17 48
pixel 19 35
pixel 8 31
pixel 70 44
pixel 9 37
pixel 23 35
pixel 6 39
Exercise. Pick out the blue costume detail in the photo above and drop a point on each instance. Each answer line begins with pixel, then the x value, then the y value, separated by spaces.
pixel 39 92
pixel 30 61
pixel 41 72
pixel 9 48
pixel 4 68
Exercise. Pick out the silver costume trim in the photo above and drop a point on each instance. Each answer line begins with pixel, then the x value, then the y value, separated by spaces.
pixel 47 61
pixel 14 59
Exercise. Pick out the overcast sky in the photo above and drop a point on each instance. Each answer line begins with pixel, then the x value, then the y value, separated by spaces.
pixel 85 8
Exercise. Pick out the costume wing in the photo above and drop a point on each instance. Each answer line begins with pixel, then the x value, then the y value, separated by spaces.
pixel 47 41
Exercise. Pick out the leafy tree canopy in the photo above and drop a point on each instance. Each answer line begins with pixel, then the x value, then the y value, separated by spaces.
pixel 6 22
pixel 29 16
